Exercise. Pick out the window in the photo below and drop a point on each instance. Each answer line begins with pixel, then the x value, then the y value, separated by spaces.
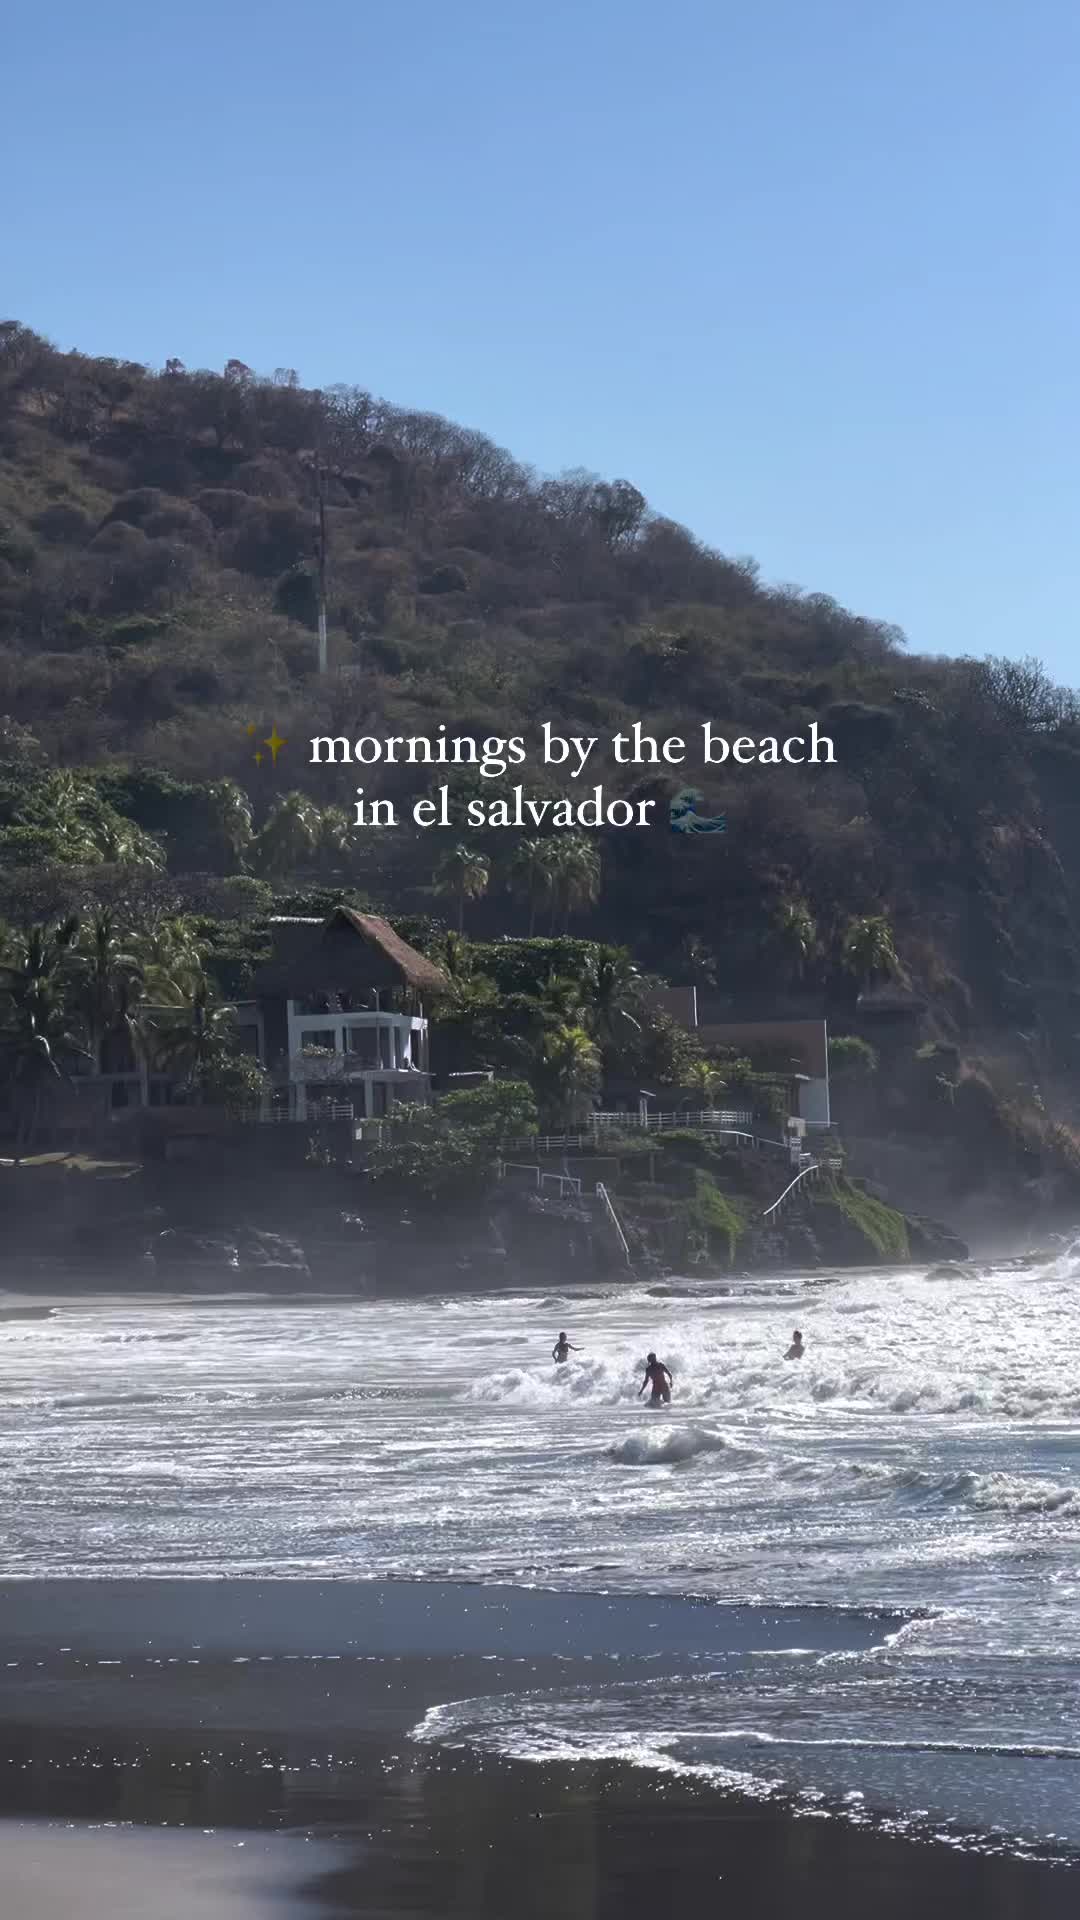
pixel 378 1099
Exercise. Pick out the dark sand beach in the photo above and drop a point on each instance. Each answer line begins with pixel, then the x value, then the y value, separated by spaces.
pixel 243 1748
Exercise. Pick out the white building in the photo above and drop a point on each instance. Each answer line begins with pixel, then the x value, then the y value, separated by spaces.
pixel 339 1016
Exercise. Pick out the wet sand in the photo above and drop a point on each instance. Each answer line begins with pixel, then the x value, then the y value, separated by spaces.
pixel 277 1715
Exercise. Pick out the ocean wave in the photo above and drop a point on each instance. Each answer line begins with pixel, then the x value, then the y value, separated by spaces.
pixel 986 1492
pixel 667 1446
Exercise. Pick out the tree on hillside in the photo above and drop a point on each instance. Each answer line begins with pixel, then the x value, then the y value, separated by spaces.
pixel 335 836
pixel 504 1110
pixel 39 1039
pixel 288 837
pixel 794 938
pixel 462 874
pixel 198 1039
pixel 609 994
pixel 107 983
pixel 565 1076
pixel 229 816
pixel 706 1079
pixel 533 871
pixel 172 957
pixel 868 951
pixel 576 879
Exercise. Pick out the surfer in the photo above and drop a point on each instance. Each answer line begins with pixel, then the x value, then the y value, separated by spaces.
pixel 659 1378
pixel 796 1349
pixel 562 1349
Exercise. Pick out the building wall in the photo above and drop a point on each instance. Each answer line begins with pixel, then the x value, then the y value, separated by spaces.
pixel 804 1042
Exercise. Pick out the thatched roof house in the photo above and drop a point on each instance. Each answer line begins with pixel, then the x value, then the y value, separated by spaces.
pixel 348 953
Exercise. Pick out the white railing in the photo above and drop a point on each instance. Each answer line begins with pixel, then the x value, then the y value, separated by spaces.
pixel 281 1117
pixel 567 1183
pixel 812 1172
pixel 593 1139
pixel 605 1198
pixel 682 1117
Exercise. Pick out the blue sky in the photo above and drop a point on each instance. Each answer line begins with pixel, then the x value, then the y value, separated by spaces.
pixel 806 273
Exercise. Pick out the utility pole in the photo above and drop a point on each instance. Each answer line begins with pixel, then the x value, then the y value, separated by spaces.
pixel 320 482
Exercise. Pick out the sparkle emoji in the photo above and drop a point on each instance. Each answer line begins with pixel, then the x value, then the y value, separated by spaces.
pixel 274 741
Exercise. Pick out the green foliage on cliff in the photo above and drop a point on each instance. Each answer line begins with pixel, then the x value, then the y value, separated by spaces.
pixel 719 1214
pixel 882 1227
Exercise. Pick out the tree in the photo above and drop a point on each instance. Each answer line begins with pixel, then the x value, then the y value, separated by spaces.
pixel 335 837
pixel 576 876
pixel 533 871
pixel 503 1110
pixel 172 958
pixel 288 837
pixel 565 1075
pixel 867 949
pixel 851 1057
pixel 462 874
pixel 795 937
pixel 108 980
pixel 427 1161
pixel 705 1077
pixel 39 1041
pixel 229 811
pixel 609 995
pixel 197 1037
pixel 228 1079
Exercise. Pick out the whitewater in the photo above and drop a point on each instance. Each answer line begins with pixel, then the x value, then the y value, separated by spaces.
pixel 922 1461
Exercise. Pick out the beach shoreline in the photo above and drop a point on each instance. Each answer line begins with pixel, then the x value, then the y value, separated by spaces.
pixel 257 1709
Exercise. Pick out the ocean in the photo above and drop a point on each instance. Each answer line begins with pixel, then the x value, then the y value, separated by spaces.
pixel 920 1465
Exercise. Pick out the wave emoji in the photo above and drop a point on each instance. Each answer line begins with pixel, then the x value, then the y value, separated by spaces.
pixel 685 817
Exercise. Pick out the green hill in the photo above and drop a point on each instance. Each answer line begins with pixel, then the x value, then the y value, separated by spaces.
pixel 158 564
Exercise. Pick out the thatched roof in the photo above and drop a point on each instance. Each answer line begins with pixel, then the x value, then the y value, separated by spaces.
pixel 416 971
pixel 346 951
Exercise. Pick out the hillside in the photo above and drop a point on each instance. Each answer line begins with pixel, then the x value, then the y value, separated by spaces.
pixel 158 536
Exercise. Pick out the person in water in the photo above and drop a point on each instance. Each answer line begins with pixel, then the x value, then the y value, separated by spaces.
pixel 562 1349
pixel 796 1349
pixel 659 1378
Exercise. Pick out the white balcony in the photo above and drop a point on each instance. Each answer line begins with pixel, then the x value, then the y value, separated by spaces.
pixel 351 1045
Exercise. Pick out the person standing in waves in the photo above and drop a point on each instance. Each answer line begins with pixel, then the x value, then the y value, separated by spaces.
pixel 659 1378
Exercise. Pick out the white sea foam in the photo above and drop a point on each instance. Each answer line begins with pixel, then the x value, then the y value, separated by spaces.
pixel 924 1455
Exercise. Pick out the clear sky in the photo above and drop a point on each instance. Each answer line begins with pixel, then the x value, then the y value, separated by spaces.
pixel 805 271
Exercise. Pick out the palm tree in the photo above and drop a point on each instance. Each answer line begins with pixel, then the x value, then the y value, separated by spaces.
pixel 576 877
pixel 533 871
pixel 38 1038
pixel 108 980
pixel 566 1071
pixel 231 813
pixel 335 832
pixel 796 936
pixel 609 994
pixel 462 874
pixel 868 950
pixel 171 956
pixel 288 836
pixel 65 797
pixel 195 1037
pixel 706 1079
